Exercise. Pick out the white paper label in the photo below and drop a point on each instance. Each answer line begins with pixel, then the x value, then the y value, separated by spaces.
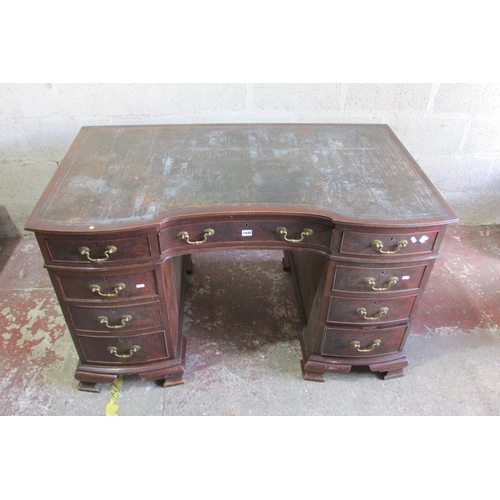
pixel 246 232
pixel 405 277
pixel 423 239
pixel 140 285
pixel 413 239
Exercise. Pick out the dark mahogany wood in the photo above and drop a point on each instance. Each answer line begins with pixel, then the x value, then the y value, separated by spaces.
pixel 126 249
pixel 376 279
pixel 142 316
pixel 96 348
pixel 352 201
pixel 346 310
pixel 250 232
pixel 112 287
pixel 339 341
pixel 361 243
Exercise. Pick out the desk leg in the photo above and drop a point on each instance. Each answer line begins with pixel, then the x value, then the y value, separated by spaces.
pixel 90 381
pixel 287 265
pixel 315 370
pixel 309 272
pixel 174 272
pixel 393 369
pixel 189 264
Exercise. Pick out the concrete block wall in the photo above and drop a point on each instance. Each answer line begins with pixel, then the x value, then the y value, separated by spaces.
pixel 451 129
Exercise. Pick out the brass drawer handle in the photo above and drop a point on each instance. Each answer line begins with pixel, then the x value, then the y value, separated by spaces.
pixel 104 320
pixel 117 288
pixel 357 345
pixel 379 246
pixel 371 281
pixel 283 231
pixel 184 236
pixel 107 252
pixel 362 312
pixel 114 350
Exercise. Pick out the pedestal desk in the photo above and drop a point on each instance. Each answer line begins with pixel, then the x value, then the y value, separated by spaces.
pixel 359 224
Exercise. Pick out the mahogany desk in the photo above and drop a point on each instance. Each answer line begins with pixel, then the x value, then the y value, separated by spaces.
pixel 359 223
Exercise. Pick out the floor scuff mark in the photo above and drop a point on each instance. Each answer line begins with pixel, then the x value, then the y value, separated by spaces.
pixel 112 406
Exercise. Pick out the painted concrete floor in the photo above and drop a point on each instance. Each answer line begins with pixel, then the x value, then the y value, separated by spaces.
pixel 243 352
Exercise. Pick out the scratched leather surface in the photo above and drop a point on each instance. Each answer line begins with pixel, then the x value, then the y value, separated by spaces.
pixel 142 174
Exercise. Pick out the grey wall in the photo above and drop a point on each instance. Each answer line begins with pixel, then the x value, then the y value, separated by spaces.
pixel 451 129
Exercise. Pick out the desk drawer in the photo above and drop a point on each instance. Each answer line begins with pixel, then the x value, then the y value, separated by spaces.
pixel 370 312
pixel 388 244
pixel 241 233
pixel 377 279
pixel 82 250
pixel 99 287
pixel 128 350
pixel 123 318
pixel 355 343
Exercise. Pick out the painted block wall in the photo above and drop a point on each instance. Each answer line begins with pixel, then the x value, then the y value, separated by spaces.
pixel 451 129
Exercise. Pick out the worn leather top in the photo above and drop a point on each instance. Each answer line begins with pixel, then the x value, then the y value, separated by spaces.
pixel 130 176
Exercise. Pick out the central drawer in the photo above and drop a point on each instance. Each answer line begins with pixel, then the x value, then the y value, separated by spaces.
pixel 116 319
pixel 249 232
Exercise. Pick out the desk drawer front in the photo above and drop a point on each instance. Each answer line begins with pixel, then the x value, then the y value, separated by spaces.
pixel 123 350
pixel 355 343
pixel 369 312
pixel 305 234
pixel 377 279
pixel 105 288
pixel 98 251
pixel 123 318
pixel 380 244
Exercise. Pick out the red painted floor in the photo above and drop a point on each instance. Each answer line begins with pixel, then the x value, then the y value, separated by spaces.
pixel 252 367
pixel 464 289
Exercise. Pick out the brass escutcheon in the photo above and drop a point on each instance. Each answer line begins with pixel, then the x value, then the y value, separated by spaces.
pixel 114 350
pixel 380 246
pixel 371 281
pixel 105 321
pixel 362 312
pixel 184 235
pixel 357 345
pixel 117 288
pixel 107 252
pixel 283 231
